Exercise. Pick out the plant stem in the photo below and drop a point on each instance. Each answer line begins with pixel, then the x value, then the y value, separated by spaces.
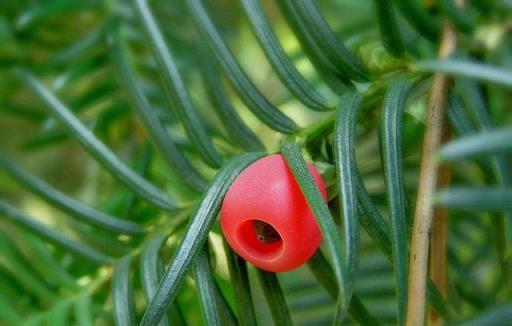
pixel 439 238
pixel 424 213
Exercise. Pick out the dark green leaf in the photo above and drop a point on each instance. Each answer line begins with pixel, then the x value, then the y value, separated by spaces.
pixel 58 199
pixel 327 41
pixel 427 25
pixel 159 135
pixel 323 272
pixel 374 224
pixel 95 147
pixel 234 125
pixel 389 27
pixel 473 99
pixel 437 301
pixel 336 79
pixel 12 262
pixel 476 104
pixel 208 295
pixel 458 117
pixel 240 280
pixel 344 153
pixel 59 313
pixel 498 141
pixel 175 88
pixel 392 131
pixel 22 112
pixel 45 139
pixel 8 312
pixel 300 171
pixel 240 82
pixel 275 298
pixel 43 261
pixel 79 47
pixel 83 311
pixel 227 312
pixel 151 269
pixel 477 199
pixel 42 10
pixel 501 315
pixel 141 167
pixel 461 18
pixel 470 69
pixel 371 219
pixel 280 61
pixel 97 93
pixel 122 294
pixel 194 238
pixel 75 73
pixel 50 234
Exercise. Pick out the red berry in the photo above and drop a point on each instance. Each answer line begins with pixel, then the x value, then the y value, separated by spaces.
pixel 266 219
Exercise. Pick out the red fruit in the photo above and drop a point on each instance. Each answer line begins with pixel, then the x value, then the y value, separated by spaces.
pixel 266 219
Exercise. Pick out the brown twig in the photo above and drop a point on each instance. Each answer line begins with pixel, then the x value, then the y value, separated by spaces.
pixel 438 239
pixel 418 261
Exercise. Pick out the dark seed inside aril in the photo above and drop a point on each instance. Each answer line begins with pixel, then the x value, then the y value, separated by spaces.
pixel 265 232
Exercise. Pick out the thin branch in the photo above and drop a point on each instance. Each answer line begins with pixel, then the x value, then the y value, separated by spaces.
pixel 439 238
pixel 424 213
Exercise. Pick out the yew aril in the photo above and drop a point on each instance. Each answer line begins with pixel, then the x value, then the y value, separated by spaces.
pixel 266 219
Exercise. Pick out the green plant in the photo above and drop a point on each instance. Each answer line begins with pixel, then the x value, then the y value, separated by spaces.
pixel 147 112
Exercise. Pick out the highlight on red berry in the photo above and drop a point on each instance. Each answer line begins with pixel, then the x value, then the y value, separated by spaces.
pixel 266 219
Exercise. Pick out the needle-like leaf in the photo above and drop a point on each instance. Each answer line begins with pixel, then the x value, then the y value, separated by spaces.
pixel 275 297
pixel 174 86
pixel 59 313
pixel 84 315
pixel 60 200
pixel 470 69
pixel 95 147
pixel 240 280
pixel 298 167
pixel 460 17
pixel 151 269
pixel 8 312
pixel 159 135
pixel 240 82
pixel 324 273
pixel 475 102
pixel 39 10
pixel 122 294
pixel 458 116
pixel 485 199
pixel 11 261
pixel 280 61
pixel 344 153
pixel 501 315
pixel 327 41
pixel 337 80
pixel 194 237
pixel 238 131
pixel 392 130
pixel 425 24
pixel 50 234
pixel 493 142
pixel 389 27
pixel 207 291
pixel 43 261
